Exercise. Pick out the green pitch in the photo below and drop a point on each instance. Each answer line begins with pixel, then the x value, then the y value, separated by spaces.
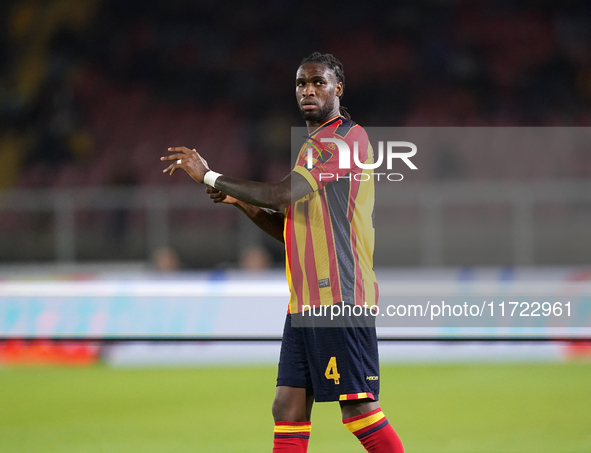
pixel 435 409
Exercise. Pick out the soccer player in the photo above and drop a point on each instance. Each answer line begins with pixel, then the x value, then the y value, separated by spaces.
pixel 323 214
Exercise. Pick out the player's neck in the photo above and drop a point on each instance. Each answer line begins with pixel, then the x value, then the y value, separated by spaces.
pixel 313 125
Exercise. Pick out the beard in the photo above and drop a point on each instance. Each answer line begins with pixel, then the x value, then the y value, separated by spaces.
pixel 318 115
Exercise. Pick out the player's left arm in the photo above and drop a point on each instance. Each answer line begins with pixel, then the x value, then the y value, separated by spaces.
pixel 276 196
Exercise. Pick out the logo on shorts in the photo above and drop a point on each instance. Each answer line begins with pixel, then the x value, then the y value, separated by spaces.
pixel 324 283
pixel 371 378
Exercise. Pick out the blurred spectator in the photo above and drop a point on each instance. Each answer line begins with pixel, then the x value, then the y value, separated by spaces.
pixel 165 260
pixel 255 259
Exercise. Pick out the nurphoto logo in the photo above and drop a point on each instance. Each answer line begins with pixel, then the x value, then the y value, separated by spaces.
pixel 345 158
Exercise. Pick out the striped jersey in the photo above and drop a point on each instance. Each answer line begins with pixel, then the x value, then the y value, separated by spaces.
pixel 329 234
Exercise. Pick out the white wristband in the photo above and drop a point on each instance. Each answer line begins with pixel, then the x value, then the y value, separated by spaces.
pixel 210 178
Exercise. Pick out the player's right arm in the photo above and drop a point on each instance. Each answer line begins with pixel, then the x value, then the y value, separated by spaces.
pixel 268 221
pixel 249 196
pixel 276 196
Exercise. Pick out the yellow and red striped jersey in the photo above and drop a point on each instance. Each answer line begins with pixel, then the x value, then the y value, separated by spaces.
pixel 329 233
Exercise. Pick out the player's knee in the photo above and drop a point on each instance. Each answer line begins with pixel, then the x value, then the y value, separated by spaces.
pixel 354 408
pixel 281 409
pixel 284 410
pixel 277 410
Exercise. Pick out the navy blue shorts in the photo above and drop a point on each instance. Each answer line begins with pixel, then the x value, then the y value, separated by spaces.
pixel 333 363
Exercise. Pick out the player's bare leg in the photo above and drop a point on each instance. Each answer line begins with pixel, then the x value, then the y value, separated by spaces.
pixel 292 404
pixel 353 408
pixel 367 422
pixel 292 409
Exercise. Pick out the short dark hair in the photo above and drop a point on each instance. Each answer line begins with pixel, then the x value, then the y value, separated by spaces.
pixel 331 62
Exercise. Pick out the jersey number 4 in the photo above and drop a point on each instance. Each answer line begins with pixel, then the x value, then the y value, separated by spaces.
pixel 331 370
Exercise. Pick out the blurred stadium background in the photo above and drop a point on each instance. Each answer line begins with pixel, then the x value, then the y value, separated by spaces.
pixel 93 92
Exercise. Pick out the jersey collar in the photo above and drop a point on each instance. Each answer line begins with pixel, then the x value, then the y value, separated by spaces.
pixel 325 124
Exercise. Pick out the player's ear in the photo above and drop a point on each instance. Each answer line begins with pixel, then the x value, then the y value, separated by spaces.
pixel 339 89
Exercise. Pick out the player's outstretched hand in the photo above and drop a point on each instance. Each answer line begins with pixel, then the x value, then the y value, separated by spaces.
pixel 187 159
pixel 219 197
